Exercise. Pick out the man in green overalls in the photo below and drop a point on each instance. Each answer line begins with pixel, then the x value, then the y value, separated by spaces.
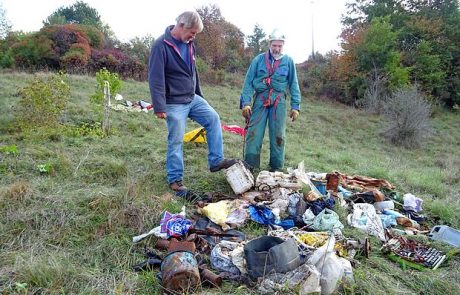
pixel 265 85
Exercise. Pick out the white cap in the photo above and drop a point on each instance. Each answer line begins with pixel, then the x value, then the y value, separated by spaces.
pixel 276 35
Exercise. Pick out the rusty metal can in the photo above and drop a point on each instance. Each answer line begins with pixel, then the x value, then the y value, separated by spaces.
pixel 180 271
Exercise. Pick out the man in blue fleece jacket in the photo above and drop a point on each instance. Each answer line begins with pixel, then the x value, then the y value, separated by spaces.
pixel 176 96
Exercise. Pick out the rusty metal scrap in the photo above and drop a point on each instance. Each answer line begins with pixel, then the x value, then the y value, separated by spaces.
pixel 415 251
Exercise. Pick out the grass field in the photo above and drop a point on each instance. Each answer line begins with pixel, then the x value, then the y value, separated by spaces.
pixel 69 231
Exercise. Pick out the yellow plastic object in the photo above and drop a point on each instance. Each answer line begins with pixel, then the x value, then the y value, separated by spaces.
pixel 218 212
pixel 318 239
pixel 196 135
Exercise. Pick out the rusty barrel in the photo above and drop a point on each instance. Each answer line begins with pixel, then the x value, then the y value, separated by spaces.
pixel 180 271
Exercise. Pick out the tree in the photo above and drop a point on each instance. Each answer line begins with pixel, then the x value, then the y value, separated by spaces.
pixel 257 42
pixel 138 47
pixel 427 38
pixel 5 26
pixel 81 13
pixel 379 51
pixel 221 44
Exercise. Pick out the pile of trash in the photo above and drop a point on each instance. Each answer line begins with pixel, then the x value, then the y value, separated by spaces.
pixel 303 248
pixel 130 106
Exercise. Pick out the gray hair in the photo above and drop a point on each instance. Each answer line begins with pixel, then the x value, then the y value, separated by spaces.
pixel 190 19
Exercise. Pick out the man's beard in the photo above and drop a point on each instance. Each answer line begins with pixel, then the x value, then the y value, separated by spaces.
pixel 277 55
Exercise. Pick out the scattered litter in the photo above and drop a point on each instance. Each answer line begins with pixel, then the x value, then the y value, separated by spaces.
pixel 290 258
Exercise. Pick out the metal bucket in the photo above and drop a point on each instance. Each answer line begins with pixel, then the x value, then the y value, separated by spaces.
pixel 179 272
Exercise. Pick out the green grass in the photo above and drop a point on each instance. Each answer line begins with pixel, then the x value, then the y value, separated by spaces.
pixel 69 231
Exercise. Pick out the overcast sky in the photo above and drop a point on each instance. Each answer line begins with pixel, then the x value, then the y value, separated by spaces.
pixel 137 18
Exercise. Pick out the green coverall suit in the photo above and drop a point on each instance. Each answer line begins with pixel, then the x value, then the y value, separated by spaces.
pixel 266 81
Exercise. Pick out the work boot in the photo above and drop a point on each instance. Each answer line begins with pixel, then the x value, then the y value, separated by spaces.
pixel 177 186
pixel 224 164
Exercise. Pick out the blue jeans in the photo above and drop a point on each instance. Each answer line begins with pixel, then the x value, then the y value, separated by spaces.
pixel 201 112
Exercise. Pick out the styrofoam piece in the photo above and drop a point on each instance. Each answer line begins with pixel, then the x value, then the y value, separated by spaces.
pixel 239 177
pixel 384 205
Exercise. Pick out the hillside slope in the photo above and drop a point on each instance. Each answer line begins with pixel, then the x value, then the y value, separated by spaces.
pixel 69 231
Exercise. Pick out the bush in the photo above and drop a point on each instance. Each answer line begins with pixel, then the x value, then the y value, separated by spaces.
pixel 117 61
pixel 376 93
pixel 407 115
pixel 42 102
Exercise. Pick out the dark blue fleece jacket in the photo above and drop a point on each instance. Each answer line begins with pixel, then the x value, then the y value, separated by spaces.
pixel 171 80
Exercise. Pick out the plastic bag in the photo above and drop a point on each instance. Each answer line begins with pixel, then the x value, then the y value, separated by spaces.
pixel 329 265
pixel 365 217
pixel 326 220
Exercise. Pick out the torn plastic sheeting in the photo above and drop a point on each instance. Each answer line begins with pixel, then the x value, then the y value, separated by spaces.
pixel 302 280
pixel 265 216
pixel 388 220
pixel 308 217
pixel 155 231
pixel 221 258
pixel 365 217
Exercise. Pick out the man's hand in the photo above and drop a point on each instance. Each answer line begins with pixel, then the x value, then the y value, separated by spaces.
pixel 161 115
pixel 294 114
pixel 246 111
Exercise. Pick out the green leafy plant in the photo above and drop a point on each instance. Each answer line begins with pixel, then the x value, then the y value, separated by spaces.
pixel 86 129
pixel 9 149
pixel 42 102
pixel 45 168
pixel 115 86
pixel 21 287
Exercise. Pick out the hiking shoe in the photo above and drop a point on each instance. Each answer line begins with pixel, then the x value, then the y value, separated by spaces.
pixel 224 164
pixel 177 186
